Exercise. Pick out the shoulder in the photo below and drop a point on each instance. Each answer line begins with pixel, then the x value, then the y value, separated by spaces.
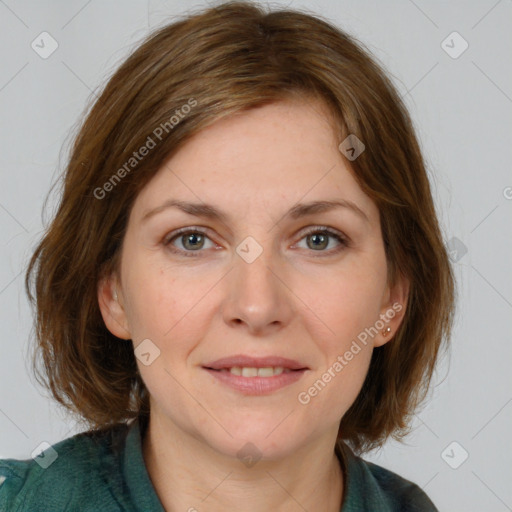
pixel 77 470
pixel 373 487
pixel 402 493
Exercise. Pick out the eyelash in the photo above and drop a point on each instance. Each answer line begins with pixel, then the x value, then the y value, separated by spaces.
pixel 343 241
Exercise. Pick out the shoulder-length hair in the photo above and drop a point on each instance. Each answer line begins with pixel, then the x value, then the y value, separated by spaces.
pixel 182 78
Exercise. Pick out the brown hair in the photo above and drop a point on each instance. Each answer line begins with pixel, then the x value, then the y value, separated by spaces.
pixel 227 59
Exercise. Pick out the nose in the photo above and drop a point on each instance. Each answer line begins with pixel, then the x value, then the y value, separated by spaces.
pixel 258 298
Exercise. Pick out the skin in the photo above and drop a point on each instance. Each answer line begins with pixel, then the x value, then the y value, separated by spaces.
pixel 294 300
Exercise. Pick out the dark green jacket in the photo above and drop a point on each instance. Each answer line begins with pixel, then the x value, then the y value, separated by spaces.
pixel 105 471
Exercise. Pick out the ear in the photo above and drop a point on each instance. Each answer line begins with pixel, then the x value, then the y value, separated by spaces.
pixel 393 310
pixel 111 303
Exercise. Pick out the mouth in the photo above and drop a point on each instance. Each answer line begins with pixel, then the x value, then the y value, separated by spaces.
pixel 253 371
pixel 256 376
pixel 248 366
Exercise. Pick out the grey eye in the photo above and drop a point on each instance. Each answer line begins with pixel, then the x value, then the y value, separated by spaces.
pixel 317 241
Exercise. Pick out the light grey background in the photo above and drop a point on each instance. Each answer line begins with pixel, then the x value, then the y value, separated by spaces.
pixel 462 108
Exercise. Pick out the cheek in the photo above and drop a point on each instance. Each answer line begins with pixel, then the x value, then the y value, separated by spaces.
pixel 346 353
pixel 347 303
pixel 162 300
pixel 331 391
pixel 348 306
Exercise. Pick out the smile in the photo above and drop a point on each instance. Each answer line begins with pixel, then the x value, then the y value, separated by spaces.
pixel 248 371
pixel 256 376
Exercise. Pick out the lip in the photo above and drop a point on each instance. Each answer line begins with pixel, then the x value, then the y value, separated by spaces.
pixel 255 385
pixel 255 362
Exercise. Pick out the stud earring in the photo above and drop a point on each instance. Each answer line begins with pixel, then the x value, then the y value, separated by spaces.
pixel 386 331
pixel 115 294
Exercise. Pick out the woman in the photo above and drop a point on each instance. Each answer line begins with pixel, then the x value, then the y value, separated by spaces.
pixel 245 286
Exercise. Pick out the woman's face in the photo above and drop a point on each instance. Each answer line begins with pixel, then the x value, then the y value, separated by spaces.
pixel 258 279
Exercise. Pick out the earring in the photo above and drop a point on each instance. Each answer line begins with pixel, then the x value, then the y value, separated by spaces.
pixel 386 331
pixel 115 294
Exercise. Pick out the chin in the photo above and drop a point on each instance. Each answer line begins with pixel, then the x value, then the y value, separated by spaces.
pixel 255 439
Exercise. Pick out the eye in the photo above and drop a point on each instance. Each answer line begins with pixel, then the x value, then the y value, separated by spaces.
pixel 188 240
pixel 318 239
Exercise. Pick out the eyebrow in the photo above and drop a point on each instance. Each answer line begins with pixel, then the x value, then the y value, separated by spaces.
pixel 299 210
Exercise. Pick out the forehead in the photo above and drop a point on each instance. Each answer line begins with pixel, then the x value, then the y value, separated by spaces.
pixel 272 156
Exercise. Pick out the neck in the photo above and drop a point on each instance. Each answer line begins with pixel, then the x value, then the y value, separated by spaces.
pixel 187 475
